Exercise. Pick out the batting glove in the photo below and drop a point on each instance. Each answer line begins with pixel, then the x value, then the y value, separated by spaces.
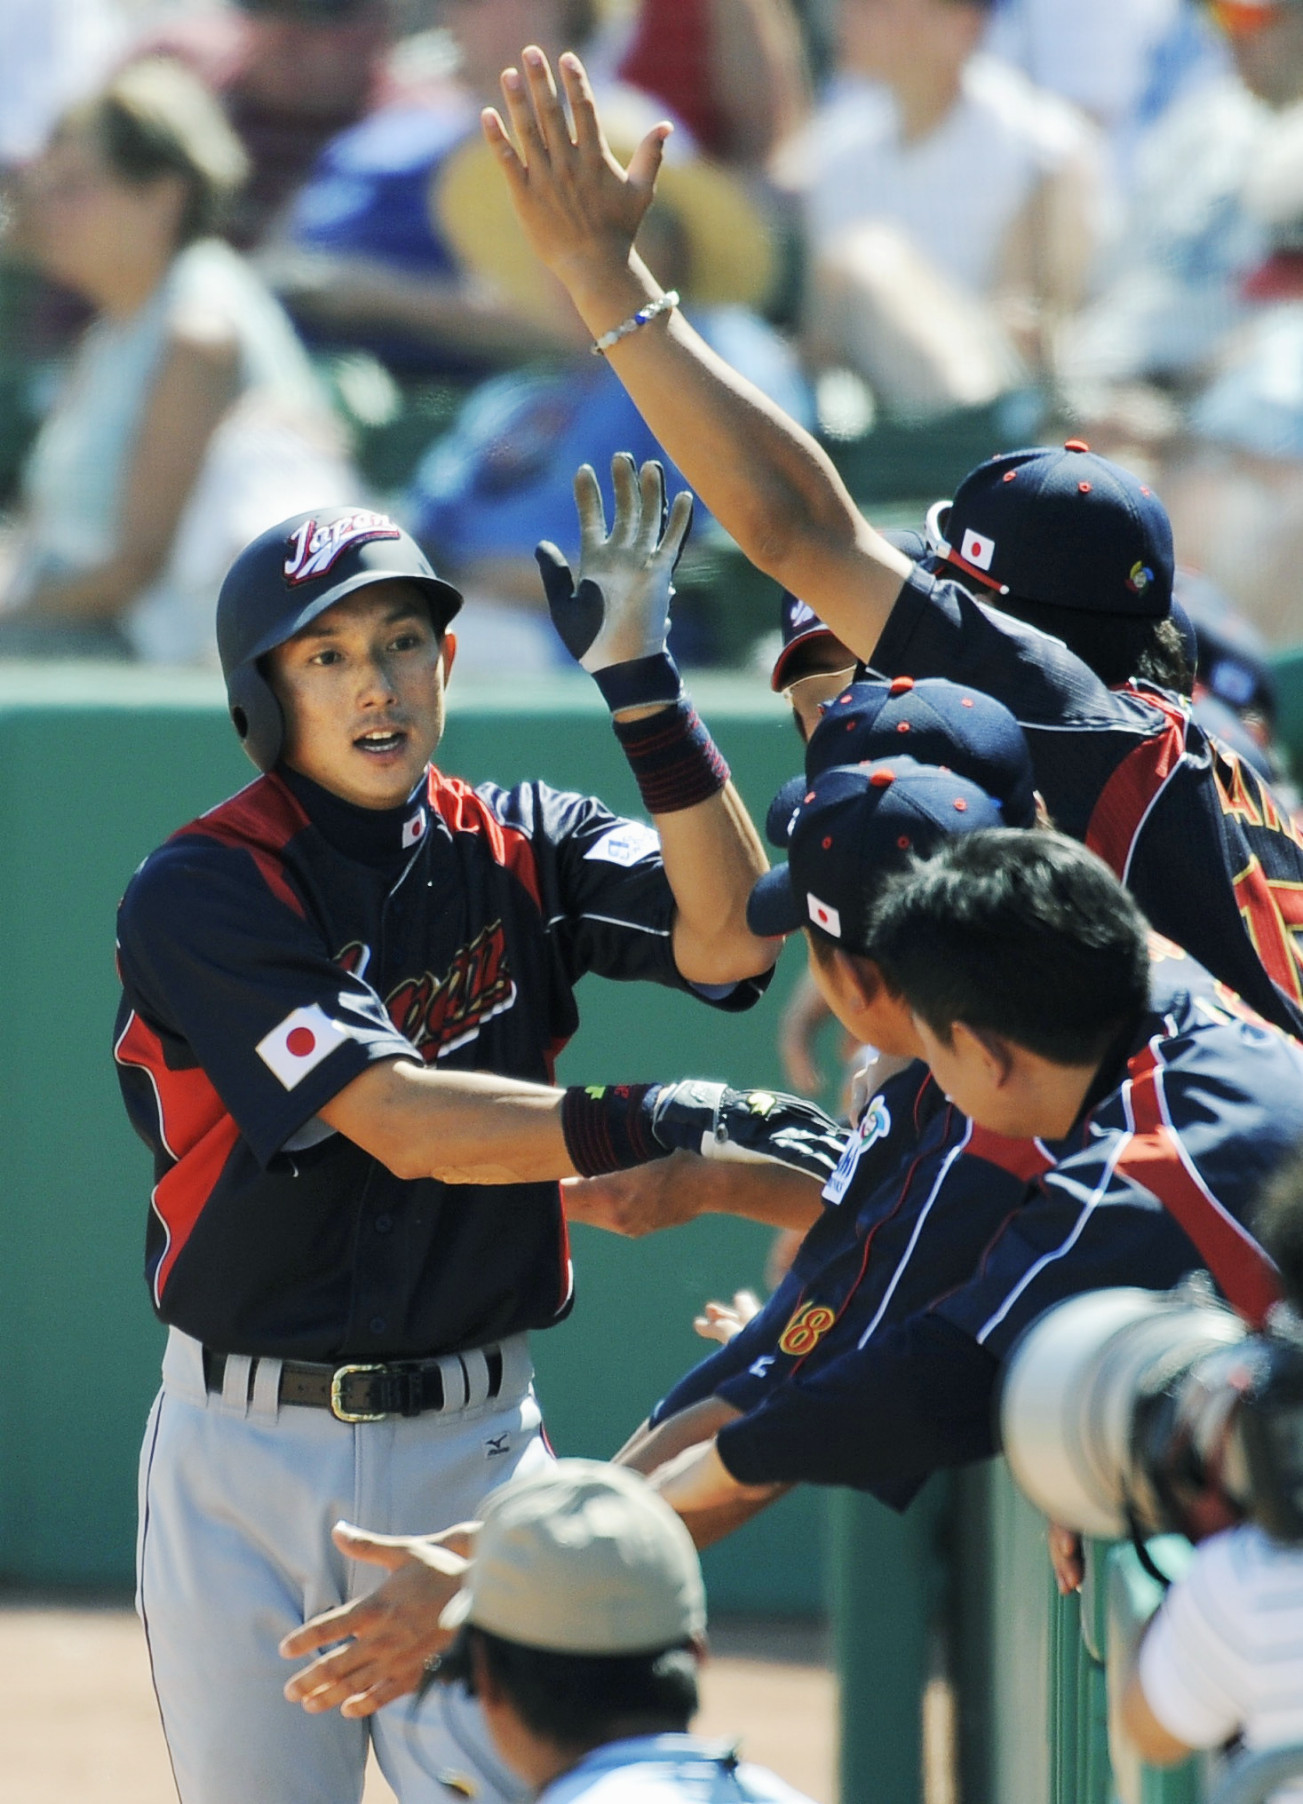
pixel 616 619
pixel 762 1126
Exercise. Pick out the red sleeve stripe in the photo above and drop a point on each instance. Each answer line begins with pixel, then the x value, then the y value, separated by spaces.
pixel 261 820
pixel 462 811
pixel 1131 792
pixel 194 1130
pixel 1156 1159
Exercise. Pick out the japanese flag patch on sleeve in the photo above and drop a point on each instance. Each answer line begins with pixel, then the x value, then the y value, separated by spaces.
pixel 299 1043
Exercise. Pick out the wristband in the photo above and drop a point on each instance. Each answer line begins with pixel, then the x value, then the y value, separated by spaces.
pixel 675 762
pixel 607 1127
pixel 641 683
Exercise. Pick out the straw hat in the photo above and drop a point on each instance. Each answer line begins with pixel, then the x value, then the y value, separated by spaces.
pixel 731 253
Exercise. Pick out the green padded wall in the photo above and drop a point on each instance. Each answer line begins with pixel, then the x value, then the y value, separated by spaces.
pixel 98 766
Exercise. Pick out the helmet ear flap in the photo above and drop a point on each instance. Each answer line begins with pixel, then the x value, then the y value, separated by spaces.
pixel 256 715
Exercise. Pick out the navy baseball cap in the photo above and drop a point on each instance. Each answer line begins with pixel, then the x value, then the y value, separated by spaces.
pixel 799 625
pixel 1066 528
pixel 934 722
pixel 848 828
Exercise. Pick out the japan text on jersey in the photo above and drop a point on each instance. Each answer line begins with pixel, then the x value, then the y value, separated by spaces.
pixel 271 951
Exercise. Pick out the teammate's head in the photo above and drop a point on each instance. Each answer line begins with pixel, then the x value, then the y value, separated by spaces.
pixel 812 663
pixel 582 1615
pixel 936 722
pixel 285 581
pixel 847 828
pixel 1022 958
pixel 1075 545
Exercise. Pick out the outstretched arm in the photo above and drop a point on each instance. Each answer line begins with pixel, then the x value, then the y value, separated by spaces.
pixel 613 616
pixel 676 1190
pixel 764 479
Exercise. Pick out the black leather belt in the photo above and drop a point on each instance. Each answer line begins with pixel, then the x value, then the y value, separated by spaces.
pixel 362 1393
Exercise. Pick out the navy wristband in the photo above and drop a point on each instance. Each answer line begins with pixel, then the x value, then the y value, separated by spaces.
pixel 675 762
pixel 607 1127
pixel 641 683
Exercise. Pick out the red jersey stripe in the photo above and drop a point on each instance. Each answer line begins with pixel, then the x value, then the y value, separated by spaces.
pixel 1155 1159
pixel 196 1132
pixel 261 820
pixel 1125 800
pixel 462 811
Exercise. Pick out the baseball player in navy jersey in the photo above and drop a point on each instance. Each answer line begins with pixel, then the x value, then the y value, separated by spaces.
pixel 1055 578
pixel 314 975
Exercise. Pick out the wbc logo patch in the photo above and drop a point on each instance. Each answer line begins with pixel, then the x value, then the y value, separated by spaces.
pixel 977 550
pixel 824 915
pixel 298 1045
pixel 313 549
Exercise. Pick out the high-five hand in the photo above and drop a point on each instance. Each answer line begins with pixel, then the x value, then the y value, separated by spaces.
pixel 574 200
pixel 619 609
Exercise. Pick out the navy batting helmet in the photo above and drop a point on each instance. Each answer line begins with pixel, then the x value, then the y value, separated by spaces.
pixel 288 576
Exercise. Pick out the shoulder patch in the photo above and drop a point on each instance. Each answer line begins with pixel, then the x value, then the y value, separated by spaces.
pixel 299 1043
pixel 629 842
pixel 875 1125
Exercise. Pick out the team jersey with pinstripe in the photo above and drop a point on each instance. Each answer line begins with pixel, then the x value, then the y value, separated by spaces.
pixel 1158 1177
pixel 918 1192
pixel 1191 829
pixel 274 948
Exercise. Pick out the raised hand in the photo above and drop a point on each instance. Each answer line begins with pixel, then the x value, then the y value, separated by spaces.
pixel 574 200
pixel 619 610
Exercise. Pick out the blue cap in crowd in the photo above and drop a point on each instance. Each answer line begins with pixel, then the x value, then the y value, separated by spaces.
pixel 1066 528
pixel 1232 658
pixel 933 721
pixel 848 828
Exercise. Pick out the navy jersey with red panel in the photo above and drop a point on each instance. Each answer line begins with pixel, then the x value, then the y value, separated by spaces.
pixel 1157 1177
pixel 919 1191
pixel 1191 829
pixel 274 948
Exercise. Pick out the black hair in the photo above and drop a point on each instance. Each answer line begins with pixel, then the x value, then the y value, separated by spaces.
pixel 577 1700
pixel 1024 935
pixel 1117 647
pixel 1278 1224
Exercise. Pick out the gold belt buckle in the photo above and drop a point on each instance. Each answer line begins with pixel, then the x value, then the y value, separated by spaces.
pixel 336 1397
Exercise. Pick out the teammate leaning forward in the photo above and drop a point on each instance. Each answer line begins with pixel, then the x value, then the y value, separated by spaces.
pixel 311 972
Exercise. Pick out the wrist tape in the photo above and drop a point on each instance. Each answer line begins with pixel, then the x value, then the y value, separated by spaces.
pixel 641 683
pixel 674 760
pixel 607 1127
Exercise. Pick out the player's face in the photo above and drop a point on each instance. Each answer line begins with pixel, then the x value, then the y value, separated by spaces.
pixel 823 670
pixel 1005 1087
pixel 863 1004
pixel 362 690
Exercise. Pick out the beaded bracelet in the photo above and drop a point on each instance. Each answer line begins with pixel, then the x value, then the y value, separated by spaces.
pixel 668 301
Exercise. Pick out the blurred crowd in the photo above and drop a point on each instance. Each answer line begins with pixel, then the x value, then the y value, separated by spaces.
pixel 256 258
